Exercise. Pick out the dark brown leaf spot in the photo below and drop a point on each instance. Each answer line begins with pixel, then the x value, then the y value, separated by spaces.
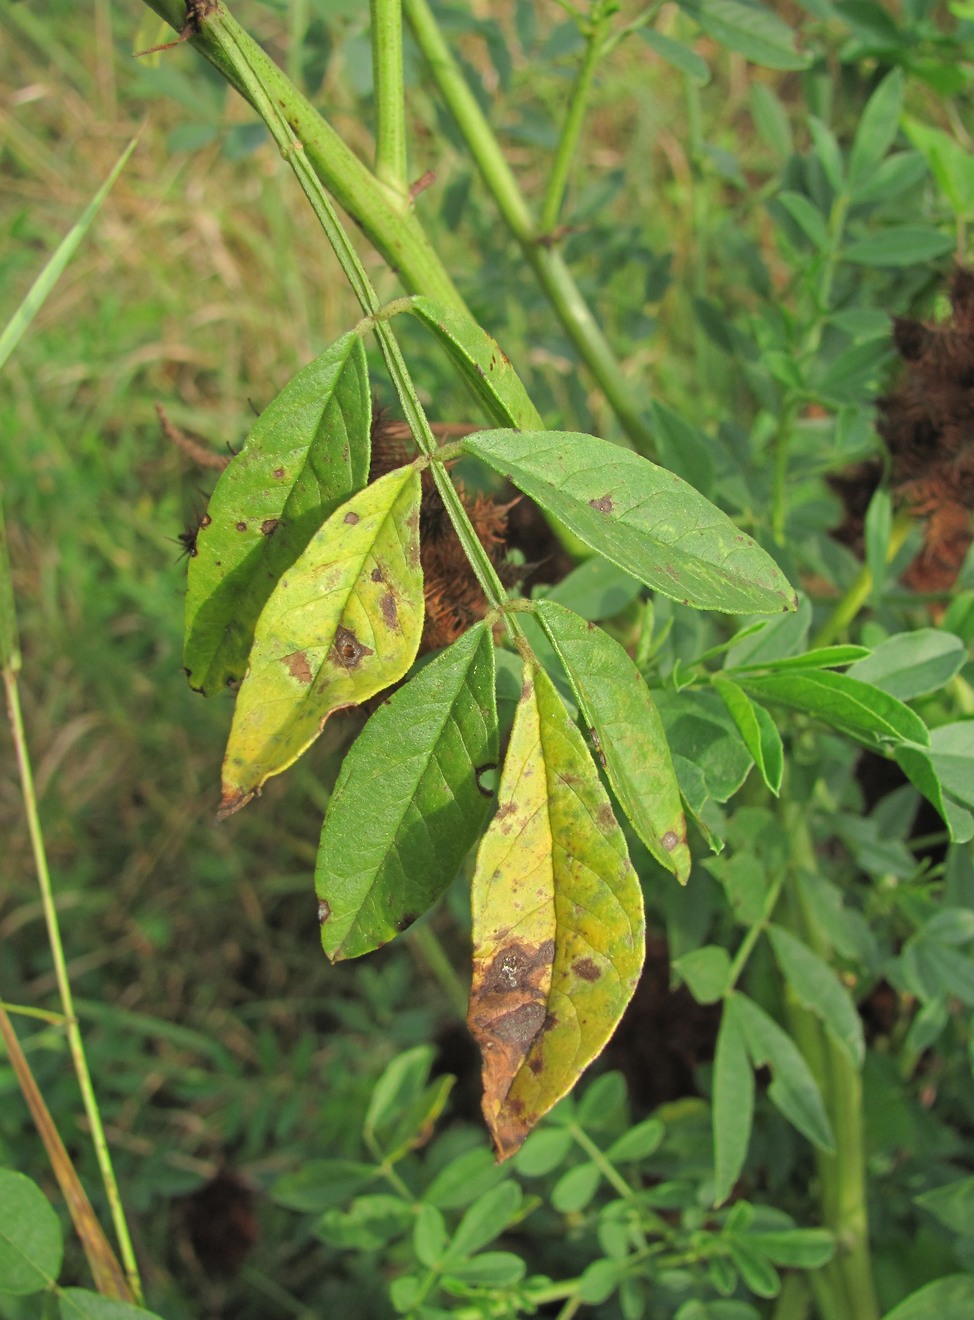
pixel 406 921
pixel 297 666
pixel 351 518
pixel 205 521
pixel 536 1064
pixel 269 526
pixel 278 474
pixel 324 911
pixel 586 969
pixel 377 575
pixel 669 840
pixel 389 612
pixel 241 526
pixel 520 1026
pixel 596 743
pixel 606 820
pixel 604 505
pixel 348 650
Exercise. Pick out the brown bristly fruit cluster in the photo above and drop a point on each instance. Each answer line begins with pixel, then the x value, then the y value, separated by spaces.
pixel 454 598
pixel 927 423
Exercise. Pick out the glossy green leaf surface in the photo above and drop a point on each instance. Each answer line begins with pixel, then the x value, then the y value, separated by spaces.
pixel 627 732
pixel 481 362
pixel 646 520
pixel 408 804
pixel 343 623
pixel 864 712
pixel 306 453
pixel 912 664
pixel 558 929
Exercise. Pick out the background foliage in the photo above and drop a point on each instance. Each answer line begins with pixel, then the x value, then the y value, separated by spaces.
pixel 745 232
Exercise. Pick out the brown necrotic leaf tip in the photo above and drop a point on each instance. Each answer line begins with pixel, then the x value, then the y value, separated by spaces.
pixel 927 424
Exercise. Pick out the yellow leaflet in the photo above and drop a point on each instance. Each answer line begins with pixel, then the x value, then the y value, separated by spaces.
pixel 342 624
pixel 558 923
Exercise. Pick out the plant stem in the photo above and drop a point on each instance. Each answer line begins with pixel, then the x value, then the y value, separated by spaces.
pixel 572 128
pixel 72 1029
pixel 842 1174
pixel 434 955
pixel 548 266
pixel 236 48
pixel 392 228
pixel 859 592
pixel 390 97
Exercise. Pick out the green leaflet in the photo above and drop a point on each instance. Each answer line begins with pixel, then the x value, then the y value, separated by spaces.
pixel 644 519
pixel 31 1241
pixel 816 986
pixel 627 731
pixel 343 623
pixel 733 1101
pixel 558 927
pixel 408 805
pixel 864 712
pixel 757 729
pixel 306 453
pixel 481 362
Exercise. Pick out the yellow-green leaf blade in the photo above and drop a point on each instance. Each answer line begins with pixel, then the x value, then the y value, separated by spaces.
pixel 644 519
pixel 306 453
pixel 342 624
pixel 408 804
pixel 628 732
pixel 558 924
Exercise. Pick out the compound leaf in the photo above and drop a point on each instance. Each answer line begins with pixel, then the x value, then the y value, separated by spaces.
pixel 627 731
pixel 408 804
pixel 558 928
pixel 306 453
pixel 343 623
pixel 643 518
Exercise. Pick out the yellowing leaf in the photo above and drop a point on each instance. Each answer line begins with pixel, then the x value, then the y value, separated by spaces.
pixel 343 623
pixel 558 926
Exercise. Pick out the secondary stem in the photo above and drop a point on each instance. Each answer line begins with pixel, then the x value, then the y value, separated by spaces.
pixel 390 98
pixel 548 266
pixel 571 131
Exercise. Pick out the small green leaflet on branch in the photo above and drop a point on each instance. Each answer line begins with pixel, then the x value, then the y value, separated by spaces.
pixel 558 926
pixel 644 519
pixel 757 729
pixel 481 362
pixel 627 731
pixel 858 709
pixel 306 453
pixel 409 802
pixel 342 624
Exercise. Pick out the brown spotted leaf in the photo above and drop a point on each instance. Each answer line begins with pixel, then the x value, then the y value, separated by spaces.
pixel 343 623
pixel 557 920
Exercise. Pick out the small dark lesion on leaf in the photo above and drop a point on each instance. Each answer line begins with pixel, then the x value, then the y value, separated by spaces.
pixel 597 744
pixel 297 666
pixel 351 518
pixel 605 818
pixel 377 574
pixel 241 526
pixel 389 612
pixel 586 969
pixel 278 473
pixel 269 526
pixel 604 505
pixel 324 911
pixel 669 840
pixel 406 921
pixel 348 650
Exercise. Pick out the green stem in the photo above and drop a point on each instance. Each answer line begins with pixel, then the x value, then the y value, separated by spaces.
pixel 860 590
pixel 237 49
pixel 572 128
pixel 434 955
pixel 391 228
pixel 843 1173
pixel 598 1157
pixel 390 97
pixel 754 934
pixel 548 266
pixel 72 1029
